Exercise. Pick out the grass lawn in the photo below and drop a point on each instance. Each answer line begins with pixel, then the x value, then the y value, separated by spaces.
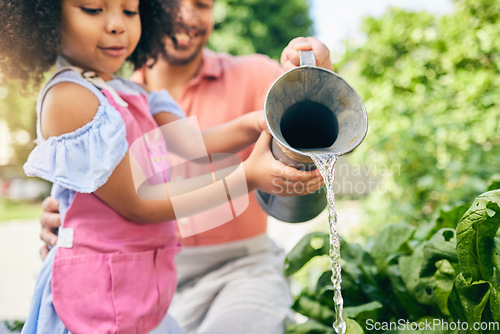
pixel 10 210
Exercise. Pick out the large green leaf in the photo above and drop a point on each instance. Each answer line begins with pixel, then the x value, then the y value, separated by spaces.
pixel 495 297
pixel 473 298
pixel 402 303
pixel 353 327
pixel 309 305
pixel 309 327
pixel 494 182
pixel 311 245
pixel 428 273
pixel 478 256
pixel 391 242
pixel 442 282
pixel 362 313
pixel 314 327
pixel 477 246
pixel 442 245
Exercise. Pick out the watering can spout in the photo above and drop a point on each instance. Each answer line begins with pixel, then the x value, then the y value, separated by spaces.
pixel 309 111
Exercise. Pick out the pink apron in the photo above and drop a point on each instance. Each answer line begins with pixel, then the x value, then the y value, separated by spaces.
pixel 119 276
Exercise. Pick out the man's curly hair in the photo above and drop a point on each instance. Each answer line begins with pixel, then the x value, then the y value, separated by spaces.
pixel 30 36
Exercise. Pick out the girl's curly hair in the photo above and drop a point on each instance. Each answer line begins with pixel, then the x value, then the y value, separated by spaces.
pixel 30 36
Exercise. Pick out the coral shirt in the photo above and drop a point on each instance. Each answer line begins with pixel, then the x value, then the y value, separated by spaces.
pixel 227 87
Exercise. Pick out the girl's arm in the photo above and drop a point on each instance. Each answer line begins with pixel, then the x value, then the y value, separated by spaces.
pixel 259 170
pixel 69 106
pixel 229 137
pixel 119 193
pixel 235 135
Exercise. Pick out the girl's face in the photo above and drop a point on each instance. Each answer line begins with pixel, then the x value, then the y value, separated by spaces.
pixel 99 35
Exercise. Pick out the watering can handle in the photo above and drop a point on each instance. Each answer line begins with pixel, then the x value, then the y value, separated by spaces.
pixel 307 58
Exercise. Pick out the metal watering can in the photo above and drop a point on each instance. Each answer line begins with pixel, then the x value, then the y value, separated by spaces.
pixel 310 110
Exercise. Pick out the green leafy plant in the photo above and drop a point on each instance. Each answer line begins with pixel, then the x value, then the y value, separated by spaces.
pixel 440 270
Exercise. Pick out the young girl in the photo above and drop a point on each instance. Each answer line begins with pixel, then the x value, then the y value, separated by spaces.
pixel 112 270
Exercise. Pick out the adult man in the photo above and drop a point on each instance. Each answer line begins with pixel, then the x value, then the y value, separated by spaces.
pixel 230 277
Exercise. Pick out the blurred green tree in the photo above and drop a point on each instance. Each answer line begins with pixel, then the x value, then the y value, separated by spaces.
pixel 430 84
pixel 262 26
pixel 18 112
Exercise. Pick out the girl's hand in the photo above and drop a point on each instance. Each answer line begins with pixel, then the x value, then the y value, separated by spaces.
pixel 266 173
pixel 290 57
pixel 258 119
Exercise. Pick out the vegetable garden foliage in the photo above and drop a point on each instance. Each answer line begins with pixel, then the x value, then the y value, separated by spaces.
pixel 430 85
pixel 435 271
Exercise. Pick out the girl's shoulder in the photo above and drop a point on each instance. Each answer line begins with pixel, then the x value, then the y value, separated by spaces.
pixel 67 75
pixel 66 152
pixel 67 103
pixel 66 108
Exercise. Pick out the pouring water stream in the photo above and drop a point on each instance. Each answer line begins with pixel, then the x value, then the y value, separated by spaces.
pixel 313 113
pixel 326 165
